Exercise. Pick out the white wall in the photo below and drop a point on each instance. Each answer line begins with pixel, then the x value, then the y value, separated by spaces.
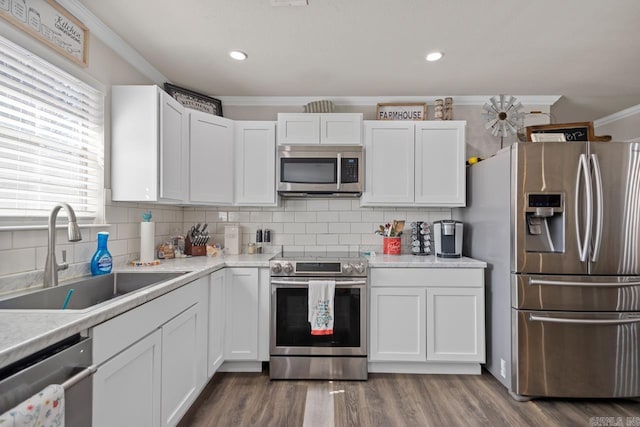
pixel 622 126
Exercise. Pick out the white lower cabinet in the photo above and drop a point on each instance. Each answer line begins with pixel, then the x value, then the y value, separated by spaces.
pixel 126 389
pixel 427 320
pixel 217 311
pixel 151 360
pixel 398 327
pixel 241 329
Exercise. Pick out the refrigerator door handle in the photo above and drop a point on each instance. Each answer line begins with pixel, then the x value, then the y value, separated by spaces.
pixel 583 245
pixel 533 282
pixel 535 318
pixel 599 209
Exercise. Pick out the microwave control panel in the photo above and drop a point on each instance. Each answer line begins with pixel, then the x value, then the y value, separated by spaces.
pixel 349 170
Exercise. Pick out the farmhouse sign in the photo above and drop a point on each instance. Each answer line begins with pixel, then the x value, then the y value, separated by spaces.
pixel 400 111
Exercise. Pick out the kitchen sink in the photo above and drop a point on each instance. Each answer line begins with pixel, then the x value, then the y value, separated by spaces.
pixel 87 293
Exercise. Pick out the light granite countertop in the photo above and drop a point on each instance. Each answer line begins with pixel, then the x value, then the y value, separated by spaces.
pixel 27 331
pixel 429 261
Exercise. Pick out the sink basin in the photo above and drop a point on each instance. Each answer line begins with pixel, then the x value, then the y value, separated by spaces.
pixel 87 293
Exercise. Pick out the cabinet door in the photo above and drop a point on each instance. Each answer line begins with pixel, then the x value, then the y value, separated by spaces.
pixel 172 140
pixel 210 159
pixel 241 328
pixel 126 389
pixel 255 160
pixel 389 163
pixel 341 129
pixel 298 128
pixel 440 163
pixel 398 325
pixel 455 324
pixel 216 321
pixel 181 370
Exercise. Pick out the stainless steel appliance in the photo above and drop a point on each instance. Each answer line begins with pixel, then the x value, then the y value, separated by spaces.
pixel 66 363
pixel 320 170
pixel 294 352
pixel 447 235
pixel 559 226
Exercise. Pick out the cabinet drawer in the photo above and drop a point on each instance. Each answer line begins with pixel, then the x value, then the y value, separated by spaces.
pixel 441 277
pixel 118 333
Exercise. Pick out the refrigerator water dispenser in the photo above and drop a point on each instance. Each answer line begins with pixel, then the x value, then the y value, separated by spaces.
pixel 545 223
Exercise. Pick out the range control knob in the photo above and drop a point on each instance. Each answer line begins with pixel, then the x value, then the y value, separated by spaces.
pixel 347 268
pixel 276 267
pixel 359 267
pixel 287 268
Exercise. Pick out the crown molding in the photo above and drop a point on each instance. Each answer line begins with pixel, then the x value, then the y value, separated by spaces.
pixel 627 112
pixel 263 101
pixel 113 40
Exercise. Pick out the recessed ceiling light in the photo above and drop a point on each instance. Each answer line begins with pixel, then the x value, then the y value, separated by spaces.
pixel 238 55
pixel 434 56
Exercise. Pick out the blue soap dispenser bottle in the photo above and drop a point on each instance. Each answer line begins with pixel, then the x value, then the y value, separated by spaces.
pixel 101 262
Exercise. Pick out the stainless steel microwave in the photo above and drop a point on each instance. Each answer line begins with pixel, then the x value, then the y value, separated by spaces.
pixel 320 170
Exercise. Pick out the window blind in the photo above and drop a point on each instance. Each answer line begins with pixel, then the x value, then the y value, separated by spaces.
pixel 51 137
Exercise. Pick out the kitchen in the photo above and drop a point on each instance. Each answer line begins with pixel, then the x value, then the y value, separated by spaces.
pixel 324 224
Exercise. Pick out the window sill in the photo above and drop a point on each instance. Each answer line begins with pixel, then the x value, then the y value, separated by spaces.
pixel 45 227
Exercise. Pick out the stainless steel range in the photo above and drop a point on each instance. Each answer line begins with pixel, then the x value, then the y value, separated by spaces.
pixel 294 352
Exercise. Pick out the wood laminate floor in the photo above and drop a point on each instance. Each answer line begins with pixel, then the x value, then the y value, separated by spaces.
pixel 241 399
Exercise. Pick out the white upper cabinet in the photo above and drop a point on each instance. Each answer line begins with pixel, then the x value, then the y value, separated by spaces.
pixel 211 155
pixel 440 163
pixel 312 128
pixel 148 137
pixel 414 163
pixel 388 150
pixel 255 163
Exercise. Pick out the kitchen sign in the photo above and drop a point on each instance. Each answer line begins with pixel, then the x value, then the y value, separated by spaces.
pixel 51 24
pixel 401 111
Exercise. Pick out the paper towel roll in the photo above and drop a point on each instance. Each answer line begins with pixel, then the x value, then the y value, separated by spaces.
pixel 147 239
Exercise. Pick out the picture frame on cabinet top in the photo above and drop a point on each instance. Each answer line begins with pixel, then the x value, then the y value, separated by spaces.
pixel 194 100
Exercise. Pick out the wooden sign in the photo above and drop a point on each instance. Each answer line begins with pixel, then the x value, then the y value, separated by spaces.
pixel 582 131
pixel 51 24
pixel 400 111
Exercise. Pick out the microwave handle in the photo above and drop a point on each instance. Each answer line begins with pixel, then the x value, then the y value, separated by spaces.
pixel 339 167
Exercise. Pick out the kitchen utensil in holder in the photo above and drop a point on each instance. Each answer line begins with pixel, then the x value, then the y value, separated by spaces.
pixel 420 238
pixel 194 250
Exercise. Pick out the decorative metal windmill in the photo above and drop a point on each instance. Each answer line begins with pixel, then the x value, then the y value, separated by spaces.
pixel 503 116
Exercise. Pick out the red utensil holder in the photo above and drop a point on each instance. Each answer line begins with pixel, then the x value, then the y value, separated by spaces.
pixel 391 246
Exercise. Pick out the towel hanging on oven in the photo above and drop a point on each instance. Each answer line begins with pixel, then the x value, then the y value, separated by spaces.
pixel 321 296
pixel 45 408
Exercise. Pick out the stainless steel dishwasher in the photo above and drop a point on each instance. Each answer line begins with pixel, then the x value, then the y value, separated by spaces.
pixel 68 363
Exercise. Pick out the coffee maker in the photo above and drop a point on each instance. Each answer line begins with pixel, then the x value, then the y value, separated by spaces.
pixel 447 236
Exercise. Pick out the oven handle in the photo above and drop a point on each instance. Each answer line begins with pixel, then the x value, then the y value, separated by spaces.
pixel 583 321
pixel 306 283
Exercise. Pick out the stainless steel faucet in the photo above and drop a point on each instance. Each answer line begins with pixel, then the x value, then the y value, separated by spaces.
pixel 51 267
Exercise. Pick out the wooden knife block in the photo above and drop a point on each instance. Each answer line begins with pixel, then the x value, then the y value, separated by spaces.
pixel 192 250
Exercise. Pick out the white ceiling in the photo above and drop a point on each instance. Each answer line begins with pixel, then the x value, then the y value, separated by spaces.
pixel 585 50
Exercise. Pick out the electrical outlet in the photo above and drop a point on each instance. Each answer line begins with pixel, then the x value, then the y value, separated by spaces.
pixel 503 368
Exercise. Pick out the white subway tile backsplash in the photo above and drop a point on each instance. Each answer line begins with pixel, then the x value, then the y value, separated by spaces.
pixel 438 216
pixel 194 217
pixel 5 240
pixel 317 228
pixel 127 231
pixel 389 216
pixel 339 228
pixel 328 216
pixel 350 239
pixel 41 254
pixel 328 239
pixel 284 239
pixel 339 205
pixel 116 214
pixel 305 217
pixel 17 260
pixel 373 216
pixel 239 216
pixel 214 216
pixel 363 227
pixel 305 239
pixel 350 216
pixel 30 238
pixel 318 205
pixel 283 216
pixel 295 228
pixel 295 205
pixel 261 216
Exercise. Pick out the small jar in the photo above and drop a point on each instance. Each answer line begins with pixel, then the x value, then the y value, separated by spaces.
pixel 251 249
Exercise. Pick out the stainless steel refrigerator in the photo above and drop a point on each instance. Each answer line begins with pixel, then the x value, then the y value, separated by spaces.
pixel 559 227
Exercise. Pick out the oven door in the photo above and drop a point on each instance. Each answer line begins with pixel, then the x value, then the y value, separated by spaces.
pixel 290 328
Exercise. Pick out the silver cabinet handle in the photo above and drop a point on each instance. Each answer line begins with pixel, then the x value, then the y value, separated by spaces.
pixel 583 245
pixel 85 373
pixel 306 283
pixel 599 211
pixel 582 284
pixel 535 318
